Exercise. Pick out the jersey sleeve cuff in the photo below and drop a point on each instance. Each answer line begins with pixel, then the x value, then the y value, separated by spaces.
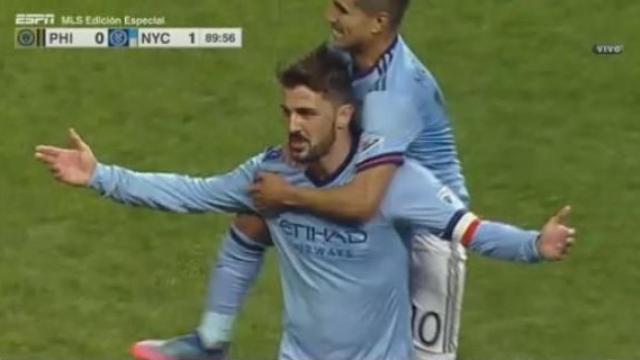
pixel 396 158
pixel 534 247
pixel 97 178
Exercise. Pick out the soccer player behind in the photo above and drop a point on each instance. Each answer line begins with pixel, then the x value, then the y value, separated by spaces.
pixel 341 301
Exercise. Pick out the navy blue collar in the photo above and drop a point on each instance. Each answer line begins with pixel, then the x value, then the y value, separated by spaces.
pixel 355 141
pixel 381 64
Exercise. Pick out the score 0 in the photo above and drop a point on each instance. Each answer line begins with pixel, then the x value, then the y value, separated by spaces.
pixel 76 37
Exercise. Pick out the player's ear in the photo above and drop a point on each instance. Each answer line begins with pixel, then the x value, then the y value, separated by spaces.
pixel 381 22
pixel 344 116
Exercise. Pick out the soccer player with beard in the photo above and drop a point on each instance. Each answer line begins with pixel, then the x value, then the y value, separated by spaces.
pixel 341 302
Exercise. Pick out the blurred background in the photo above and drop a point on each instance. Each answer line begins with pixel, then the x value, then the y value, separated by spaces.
pixel 540 122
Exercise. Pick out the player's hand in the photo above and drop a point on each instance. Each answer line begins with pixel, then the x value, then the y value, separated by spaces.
pixel 74 165
pixel 556 237
pixel 270 191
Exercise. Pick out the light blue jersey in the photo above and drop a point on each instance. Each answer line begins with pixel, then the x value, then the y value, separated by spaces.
pixel 346 293
pixel 401 75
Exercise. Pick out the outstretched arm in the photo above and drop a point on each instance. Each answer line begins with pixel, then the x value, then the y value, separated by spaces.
pixel 78 166
pixel 416 198
pixel 504 241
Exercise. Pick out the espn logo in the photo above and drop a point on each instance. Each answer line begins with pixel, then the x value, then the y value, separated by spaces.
pixel 608 49
pixel 35 19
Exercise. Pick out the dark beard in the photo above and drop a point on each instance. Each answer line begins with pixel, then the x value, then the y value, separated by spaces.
pixel 320 150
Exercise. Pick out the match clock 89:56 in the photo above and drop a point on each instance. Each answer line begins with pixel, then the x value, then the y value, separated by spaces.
pixel 220 37
pixel 216 37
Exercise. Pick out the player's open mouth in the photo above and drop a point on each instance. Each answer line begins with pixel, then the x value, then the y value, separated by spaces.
pixel 297 146
pixel 336 33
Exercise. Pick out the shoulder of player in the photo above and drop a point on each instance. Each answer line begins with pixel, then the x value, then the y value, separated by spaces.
pixel 412 169
pixel 412 75
pixel 272 154
pixel 386 97
pixel 413 185
pixel 417 84
pixel 389 101
pixel 413 177
pixel 273 159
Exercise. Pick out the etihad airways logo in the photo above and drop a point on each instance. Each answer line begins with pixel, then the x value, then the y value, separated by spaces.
pixel 322 234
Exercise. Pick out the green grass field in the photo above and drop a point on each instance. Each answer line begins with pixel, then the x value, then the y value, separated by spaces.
pixel 540 122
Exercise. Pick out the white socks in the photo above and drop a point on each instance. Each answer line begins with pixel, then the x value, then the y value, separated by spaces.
pixel 215 329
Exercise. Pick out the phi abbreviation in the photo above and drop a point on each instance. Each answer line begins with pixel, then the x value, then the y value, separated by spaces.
pixel 60 38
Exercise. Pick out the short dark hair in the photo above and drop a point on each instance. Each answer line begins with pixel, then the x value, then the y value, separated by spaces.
pixel 324 70
pixel 395 8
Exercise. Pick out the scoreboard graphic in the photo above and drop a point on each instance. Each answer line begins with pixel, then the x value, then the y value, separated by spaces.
pixel 126 37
